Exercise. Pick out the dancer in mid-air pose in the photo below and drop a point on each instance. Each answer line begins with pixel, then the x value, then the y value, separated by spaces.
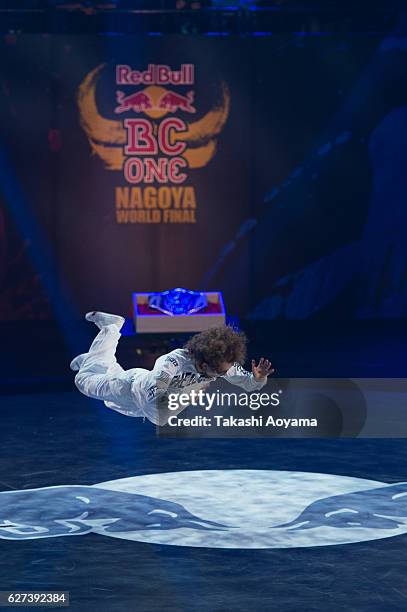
pixel 214 353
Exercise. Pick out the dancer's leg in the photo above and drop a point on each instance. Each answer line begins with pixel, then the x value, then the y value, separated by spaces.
pixel 99 374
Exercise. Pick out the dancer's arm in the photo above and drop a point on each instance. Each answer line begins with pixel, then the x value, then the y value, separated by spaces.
pixel 250 381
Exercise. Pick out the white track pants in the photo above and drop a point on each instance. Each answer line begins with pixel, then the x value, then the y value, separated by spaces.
pixel 101 377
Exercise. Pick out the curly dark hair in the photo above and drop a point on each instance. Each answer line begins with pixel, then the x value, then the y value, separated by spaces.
pixel 218 344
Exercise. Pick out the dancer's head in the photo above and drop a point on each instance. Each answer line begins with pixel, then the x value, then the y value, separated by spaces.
pixel 216 350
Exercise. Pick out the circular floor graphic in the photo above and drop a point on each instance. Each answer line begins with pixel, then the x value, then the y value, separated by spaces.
pixel 265 509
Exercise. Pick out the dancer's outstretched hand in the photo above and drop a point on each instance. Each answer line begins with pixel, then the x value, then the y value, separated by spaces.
pixel 262 369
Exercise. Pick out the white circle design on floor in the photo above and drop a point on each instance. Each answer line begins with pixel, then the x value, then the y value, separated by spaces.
pixel 266 509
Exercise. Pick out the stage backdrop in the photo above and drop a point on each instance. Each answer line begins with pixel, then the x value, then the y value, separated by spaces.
pixel 271 168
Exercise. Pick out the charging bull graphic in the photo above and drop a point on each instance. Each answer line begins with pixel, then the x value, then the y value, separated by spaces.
pixel 140 102
pixel 379 508
pixel 108 137
pixel 137 102
pixel 226 509
pixel 173 102
pixel 76 510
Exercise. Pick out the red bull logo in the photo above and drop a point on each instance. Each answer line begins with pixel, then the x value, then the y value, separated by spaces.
pixel 142 101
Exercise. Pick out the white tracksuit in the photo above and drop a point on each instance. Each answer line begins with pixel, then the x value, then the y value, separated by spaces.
pixel 138 392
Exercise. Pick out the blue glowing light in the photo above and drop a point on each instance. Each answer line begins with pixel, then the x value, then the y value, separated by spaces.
pixel 178 301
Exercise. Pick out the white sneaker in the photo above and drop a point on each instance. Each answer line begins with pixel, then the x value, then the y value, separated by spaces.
pixel 76 363
pixel 101 319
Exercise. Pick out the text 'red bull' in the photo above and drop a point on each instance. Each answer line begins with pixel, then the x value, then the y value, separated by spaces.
pixel 156 74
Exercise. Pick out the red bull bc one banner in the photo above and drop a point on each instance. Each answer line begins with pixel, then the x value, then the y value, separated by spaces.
pixel 154 138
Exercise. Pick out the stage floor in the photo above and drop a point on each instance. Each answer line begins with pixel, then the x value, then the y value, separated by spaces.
pixel 64 438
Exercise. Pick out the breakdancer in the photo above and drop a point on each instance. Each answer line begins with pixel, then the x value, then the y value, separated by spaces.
pixel 214 353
